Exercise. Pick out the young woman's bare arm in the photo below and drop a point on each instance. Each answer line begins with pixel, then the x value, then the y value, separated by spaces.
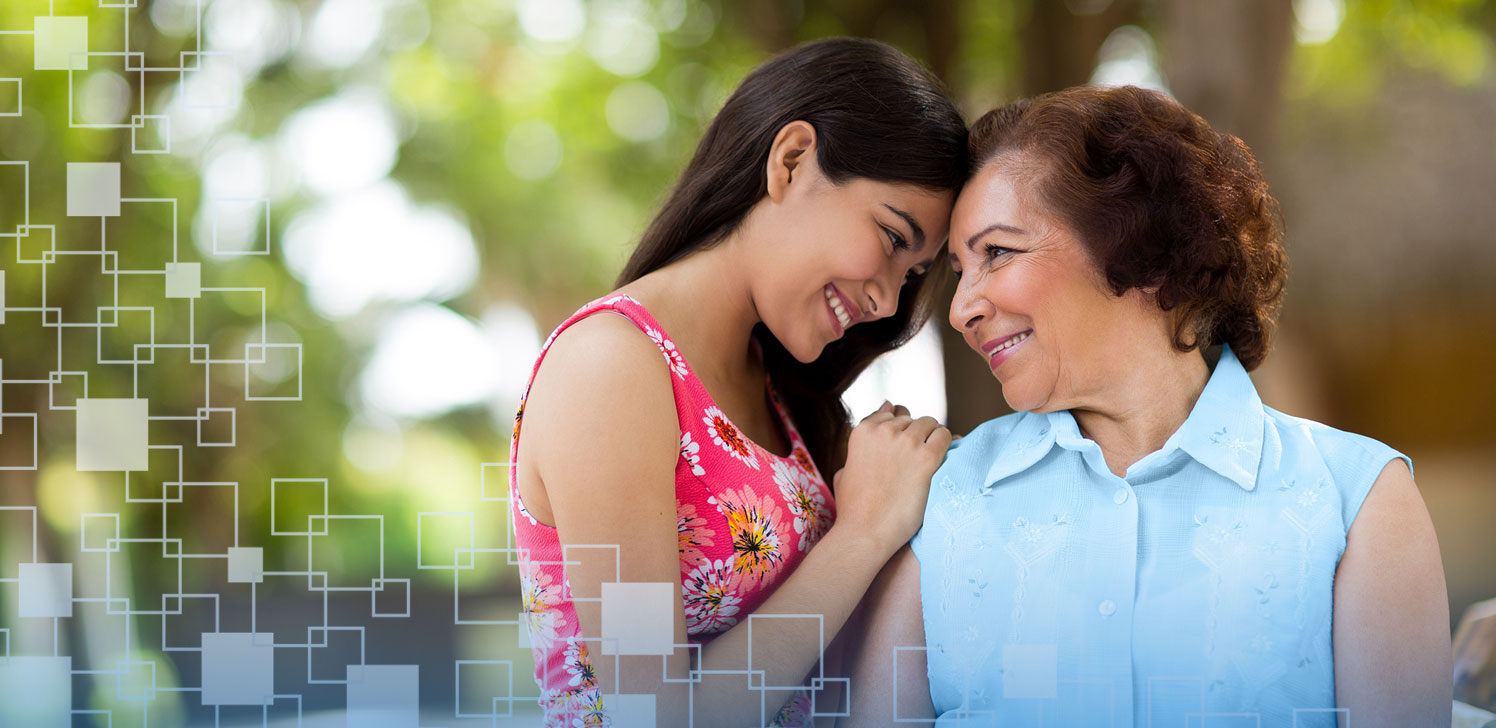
pixel 892 618
pixel 1393 665
pixel 601 432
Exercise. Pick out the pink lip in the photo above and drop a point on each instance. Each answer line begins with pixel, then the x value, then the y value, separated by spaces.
pixel 995 358
pixel 836 326
pixel 854 311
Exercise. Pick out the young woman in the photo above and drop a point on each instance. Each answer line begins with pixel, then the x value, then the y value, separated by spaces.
pixel 678 445
pixel 1144 542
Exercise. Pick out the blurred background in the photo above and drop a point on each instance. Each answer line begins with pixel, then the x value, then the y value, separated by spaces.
pixel 391 202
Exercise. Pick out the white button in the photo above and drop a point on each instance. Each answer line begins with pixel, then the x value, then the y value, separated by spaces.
pixel 1107 608
pixel 1119 497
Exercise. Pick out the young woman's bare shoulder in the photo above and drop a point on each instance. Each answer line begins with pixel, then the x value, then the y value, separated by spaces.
pixel 601 373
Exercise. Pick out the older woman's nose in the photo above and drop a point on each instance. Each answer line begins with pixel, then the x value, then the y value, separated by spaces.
pixel 968 307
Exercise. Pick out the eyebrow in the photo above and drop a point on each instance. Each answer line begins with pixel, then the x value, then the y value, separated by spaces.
pixel 972 241
pixel 919 232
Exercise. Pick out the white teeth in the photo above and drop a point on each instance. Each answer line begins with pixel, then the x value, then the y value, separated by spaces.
pixel 1011 342
pixel 836 307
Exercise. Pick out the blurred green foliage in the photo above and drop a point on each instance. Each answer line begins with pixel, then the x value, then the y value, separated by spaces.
pixel 510 131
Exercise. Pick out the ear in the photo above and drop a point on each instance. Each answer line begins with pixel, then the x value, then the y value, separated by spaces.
pixel 793 146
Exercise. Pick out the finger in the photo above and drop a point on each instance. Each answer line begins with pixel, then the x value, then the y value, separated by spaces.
pixel 921 428
pixel 900 422
pixel 899 409
pixel 876 417
pixel 941 438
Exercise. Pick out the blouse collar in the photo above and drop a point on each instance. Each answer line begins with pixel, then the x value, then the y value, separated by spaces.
pixel 1223 432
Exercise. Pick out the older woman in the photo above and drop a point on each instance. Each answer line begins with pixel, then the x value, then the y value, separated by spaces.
pixel 1144 542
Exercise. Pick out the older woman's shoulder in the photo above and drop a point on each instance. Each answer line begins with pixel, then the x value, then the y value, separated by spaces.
pixel 1335 446
pixel 978 447
pixel 1297 447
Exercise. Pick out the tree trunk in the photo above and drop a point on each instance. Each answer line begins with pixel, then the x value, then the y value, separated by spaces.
pixel 1225 60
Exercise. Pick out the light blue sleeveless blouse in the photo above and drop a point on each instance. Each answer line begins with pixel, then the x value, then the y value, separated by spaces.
pixel 1194 592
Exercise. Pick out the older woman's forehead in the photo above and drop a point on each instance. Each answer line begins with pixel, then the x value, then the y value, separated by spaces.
pixel 991 197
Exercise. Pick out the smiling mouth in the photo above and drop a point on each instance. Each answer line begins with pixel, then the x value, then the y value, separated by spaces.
pixel 837 309
pixel 1007 343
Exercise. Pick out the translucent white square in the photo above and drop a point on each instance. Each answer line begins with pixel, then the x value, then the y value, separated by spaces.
pixel 1029 671
pixel 111 434
pixel 246 564
pixel 631 711
pixel 141 128
pixel 5 108
pixel 238 668
pixel 524 631
pixel 93 189
pixel 57 39
pixel 240 226
pixel 46 590
pixel 36 692
pixel 384 696
pixel 638 618
pixel 184 280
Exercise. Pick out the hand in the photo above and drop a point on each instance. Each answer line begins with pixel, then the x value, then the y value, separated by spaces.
pixel 890 458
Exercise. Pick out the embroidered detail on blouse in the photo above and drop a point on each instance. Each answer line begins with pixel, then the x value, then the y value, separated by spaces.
pixel 1029 544
pixel 1236 444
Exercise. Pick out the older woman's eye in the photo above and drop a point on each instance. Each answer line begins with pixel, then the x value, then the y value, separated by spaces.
pixel 997 251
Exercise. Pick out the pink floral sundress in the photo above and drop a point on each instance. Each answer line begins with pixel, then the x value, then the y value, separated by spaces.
pixel 745 518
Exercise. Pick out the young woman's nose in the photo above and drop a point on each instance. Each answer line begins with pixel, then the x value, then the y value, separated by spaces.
pixel 882 295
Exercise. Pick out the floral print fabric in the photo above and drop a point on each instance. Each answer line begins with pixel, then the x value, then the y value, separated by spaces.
pixel 745 517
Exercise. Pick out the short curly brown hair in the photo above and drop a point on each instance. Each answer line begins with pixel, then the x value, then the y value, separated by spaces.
pixel 1160 200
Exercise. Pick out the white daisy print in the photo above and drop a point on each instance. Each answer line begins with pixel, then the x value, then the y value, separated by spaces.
pixel 621 298
pixel 673 358
pixel 806 503
pixel 727 437
pixel 711 599
pixel 579 666
pixel 690 451
pixel 540 599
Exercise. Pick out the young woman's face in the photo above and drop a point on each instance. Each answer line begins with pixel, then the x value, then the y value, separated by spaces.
pixel 836 255
pixel 1030 300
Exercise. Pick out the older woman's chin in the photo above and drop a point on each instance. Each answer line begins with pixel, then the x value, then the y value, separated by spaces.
pixel 1019 400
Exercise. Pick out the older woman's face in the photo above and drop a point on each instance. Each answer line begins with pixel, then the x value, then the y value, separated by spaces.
pixel 1031 302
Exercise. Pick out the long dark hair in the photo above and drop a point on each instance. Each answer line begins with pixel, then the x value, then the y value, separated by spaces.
pixel 878 115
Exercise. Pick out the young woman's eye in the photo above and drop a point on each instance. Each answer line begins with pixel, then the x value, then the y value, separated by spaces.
pixel 898 241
